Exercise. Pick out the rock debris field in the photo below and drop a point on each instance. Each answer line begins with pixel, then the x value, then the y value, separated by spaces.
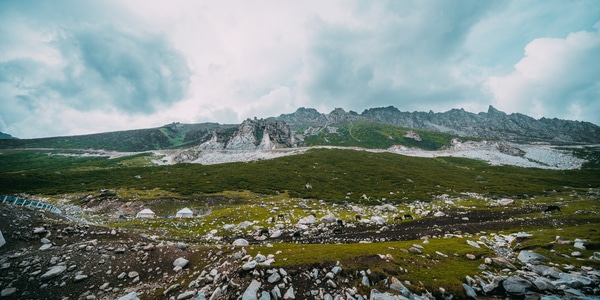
pixel 47 256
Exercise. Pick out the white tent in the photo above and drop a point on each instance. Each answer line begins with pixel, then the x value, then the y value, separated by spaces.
pixel 184 213
pixel 146 213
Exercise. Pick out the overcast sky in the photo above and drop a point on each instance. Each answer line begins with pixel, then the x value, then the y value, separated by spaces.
pixel 78 67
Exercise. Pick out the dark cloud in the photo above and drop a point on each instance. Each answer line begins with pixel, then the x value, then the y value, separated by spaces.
pixel 131 72
pixel 84 64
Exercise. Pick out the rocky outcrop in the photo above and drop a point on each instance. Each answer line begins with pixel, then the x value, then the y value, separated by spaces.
pixel 491 124
pixel 252 134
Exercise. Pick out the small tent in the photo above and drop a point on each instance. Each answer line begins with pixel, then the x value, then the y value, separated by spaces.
pixel 184 213
pixel 146 213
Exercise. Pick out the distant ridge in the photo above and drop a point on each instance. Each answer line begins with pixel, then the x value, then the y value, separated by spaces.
pixel 307 124
pixel 6 136
pixel 492 124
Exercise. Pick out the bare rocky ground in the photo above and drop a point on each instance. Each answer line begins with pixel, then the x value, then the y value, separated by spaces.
pixel 47 256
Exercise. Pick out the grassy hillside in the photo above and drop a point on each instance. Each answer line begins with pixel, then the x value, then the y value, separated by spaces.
pixel 335 175
pixel 378 135
pixel 174 135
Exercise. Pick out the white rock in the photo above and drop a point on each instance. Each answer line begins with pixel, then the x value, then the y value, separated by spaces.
pixel 579 245
pixel 474 244
pixel 310 219
pixel 276 233
pixel 240 242
pixel 251 291
pixel 180 262
pixel 328 219
pixel 289 294
pixel 439 214
pixel 249 265
pixel 130 296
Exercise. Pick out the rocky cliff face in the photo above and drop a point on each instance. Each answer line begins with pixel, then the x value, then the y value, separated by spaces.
pixel 491 124
pixel 256 134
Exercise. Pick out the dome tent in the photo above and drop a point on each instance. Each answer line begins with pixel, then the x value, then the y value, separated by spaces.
pixel 145 213
pixel 184 213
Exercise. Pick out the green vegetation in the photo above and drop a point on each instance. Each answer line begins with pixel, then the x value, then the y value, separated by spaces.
pixel 378 135
pixel 335 175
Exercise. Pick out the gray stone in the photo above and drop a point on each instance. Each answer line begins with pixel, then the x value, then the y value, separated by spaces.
pixel 2 240
pixel 130 296
pixel 8 291
pixel 377 295
pixel 251 291
pixel 39 230
pixel 469 291
pixel 249 265
pixel 546 271
pixel 133 274
pixel 276 293
pixel 397 285
pixel 530 256
pixel 186 295
pixel 365 281
pixel 474 244
pixel 79 277
pixel 45 247
pixel 53 272
pixel 240 242
pixel 182 245
pixel 579 245
pixel 181 262
pixel 289 294
pixel 274 277
pixel 336 270
pixel 543 284
pixel 517 286
pixel 265 296
pixel 573 280
pixel 201 295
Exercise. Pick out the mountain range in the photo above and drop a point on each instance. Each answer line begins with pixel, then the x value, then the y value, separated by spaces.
pixel 374 127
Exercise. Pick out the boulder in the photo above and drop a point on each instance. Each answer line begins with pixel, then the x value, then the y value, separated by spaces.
pixel 53 272
pixel 289 294
pixel 328 219
pixel 8 291
pixel 251 291
pixel 469 291
pixel 249 265
pixel 186 295
pixel 240 242
pixel 310 219
pixel 517 286
pixel 181 262
pixel 377 295
pixel 530 256
pixel 2 240
pixel 130 296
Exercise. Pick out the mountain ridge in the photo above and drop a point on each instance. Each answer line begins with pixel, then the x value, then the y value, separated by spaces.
pixel 294 129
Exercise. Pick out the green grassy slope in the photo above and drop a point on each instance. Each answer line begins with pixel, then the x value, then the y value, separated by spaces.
pixel 169 136
pixel 335 175
pixel 378 135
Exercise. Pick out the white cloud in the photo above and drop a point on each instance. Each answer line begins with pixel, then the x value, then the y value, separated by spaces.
pixel 555 78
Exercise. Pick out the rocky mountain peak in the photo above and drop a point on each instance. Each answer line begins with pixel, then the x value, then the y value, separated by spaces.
pixel 255 134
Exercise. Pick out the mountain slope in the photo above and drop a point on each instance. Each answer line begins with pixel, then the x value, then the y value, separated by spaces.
pixel 374 128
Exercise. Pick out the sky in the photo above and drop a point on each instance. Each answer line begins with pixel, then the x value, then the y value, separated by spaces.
pixel 70 67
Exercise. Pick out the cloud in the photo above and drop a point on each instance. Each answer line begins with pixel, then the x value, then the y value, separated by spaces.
pixel 397 52
pixel 84 65
pixel 557 77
